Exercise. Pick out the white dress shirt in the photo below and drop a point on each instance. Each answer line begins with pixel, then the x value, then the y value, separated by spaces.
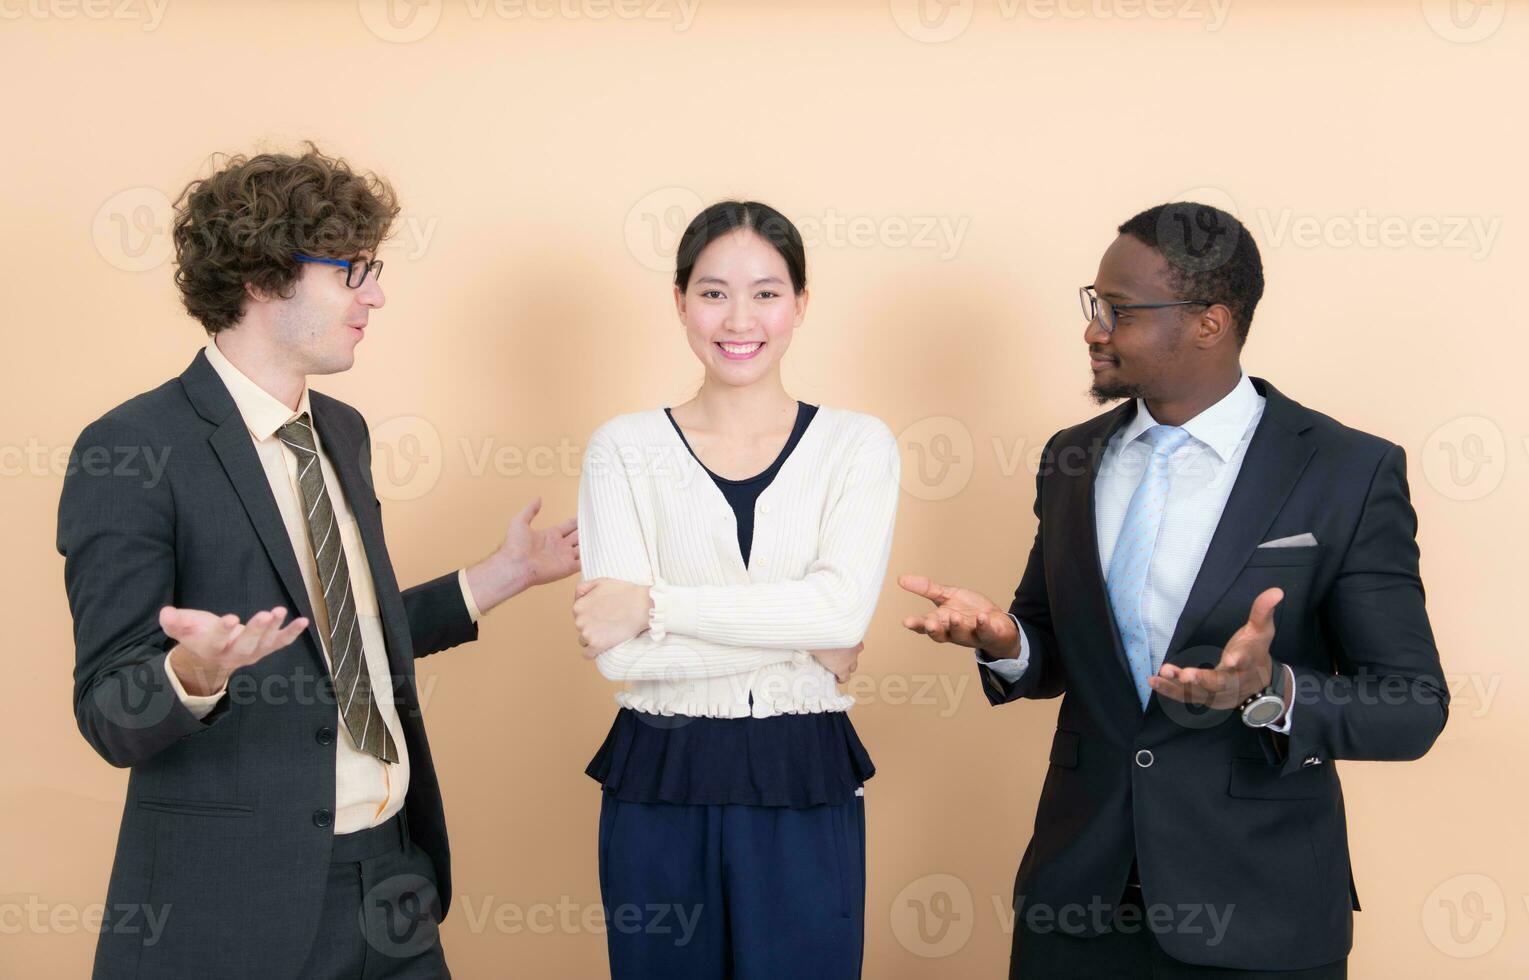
pixel 368 791
pixel 1201 473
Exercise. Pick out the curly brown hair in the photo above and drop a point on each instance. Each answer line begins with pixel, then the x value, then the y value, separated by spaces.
pixel 242 224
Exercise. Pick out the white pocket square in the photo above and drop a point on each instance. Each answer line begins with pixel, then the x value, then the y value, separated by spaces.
pixel 1306 540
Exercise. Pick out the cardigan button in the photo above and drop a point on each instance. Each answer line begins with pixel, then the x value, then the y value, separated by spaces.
pixel 764 508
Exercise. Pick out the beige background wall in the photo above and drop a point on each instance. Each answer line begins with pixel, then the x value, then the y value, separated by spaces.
pixel 957 179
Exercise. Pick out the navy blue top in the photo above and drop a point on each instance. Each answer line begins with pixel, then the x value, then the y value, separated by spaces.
pixel 798 760
pixel 743 494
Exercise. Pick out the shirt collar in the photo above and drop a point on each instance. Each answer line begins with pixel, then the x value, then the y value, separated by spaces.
pixel 263 412
pixel 1221 426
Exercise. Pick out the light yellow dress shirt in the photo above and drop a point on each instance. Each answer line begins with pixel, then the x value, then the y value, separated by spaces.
pixel 368 791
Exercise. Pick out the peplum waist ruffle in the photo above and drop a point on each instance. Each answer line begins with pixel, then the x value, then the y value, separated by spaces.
pixel 792 760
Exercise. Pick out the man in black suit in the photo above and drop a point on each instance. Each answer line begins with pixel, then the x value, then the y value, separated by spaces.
pixel 283 816
pixel 1224 590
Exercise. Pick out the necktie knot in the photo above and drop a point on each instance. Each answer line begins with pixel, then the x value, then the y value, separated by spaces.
pixel 298 432
pixel 1164 439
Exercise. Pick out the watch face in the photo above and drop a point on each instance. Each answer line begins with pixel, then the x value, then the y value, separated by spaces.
pixel 1263 712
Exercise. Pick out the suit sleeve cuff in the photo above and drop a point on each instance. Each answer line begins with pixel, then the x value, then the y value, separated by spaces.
pixel 467 596
pixel 199 705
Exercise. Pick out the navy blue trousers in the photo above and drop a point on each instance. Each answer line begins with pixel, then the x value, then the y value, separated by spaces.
pixel 745 892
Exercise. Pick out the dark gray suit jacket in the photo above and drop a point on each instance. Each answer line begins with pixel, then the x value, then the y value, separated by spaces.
pixel 1218 814
pixel 227 828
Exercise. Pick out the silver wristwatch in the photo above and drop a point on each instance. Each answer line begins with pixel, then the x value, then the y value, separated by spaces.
pixel 1264 708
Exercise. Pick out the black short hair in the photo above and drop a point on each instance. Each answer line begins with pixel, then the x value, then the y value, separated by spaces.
pixel 1211 256
pixel 728 216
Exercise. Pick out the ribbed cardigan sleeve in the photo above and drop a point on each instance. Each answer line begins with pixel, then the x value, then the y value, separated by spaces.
pixel 613 545
pixel 828 608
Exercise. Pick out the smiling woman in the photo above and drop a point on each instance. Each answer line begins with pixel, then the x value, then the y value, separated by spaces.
pixel 732 739
pixel 740 287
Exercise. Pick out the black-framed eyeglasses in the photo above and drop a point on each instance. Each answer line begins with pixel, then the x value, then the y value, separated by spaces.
pixel 1103 310
pixel 356 270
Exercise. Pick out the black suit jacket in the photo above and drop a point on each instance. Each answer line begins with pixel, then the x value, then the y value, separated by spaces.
pixel 227 827
pixel 1220 815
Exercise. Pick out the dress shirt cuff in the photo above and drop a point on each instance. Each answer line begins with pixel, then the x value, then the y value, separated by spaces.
pixel 1283 725
pixel 467 596
pixel 1010 670
pixel 198 704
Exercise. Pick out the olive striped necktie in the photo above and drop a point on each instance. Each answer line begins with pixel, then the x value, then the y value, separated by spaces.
pixel 352 682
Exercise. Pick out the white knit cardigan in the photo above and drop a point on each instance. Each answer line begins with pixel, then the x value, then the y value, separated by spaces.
pixel 721 631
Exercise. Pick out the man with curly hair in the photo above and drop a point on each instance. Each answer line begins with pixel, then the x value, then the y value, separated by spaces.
pixel 283 816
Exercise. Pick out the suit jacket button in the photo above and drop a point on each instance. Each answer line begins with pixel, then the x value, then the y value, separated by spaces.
pixel 324 736
pixel 322 818
pixel 1144 758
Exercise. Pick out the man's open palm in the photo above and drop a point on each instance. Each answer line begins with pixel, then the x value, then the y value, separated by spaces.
pixel 1244 669
pixel 961 616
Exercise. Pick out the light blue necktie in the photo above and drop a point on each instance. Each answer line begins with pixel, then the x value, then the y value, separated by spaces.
pixel 1133 552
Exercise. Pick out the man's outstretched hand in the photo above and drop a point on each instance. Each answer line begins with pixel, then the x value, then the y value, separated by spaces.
pixel 1244 669
pixel 209 647
pixel 528 557
pixel 961 616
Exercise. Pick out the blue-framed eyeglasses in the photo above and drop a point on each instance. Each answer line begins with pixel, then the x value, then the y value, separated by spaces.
pixel 356 270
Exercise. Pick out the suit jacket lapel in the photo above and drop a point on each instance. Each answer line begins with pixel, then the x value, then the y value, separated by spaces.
pixel 231 443
pixel 1275 460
